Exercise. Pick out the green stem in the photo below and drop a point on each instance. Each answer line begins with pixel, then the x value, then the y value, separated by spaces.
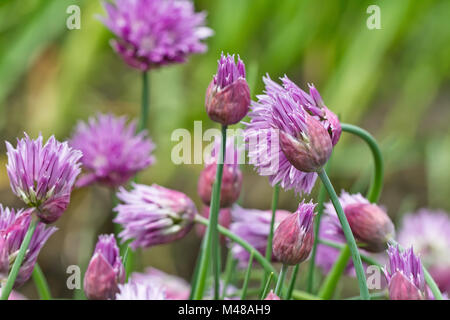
pixel 340 246
pixel 312 260
pixel 229 270
pixel 332 279
pixel 41 283
pixel 301 295
pixel 292 282
pixel 247 276
pixel 244 244
pixel 281 278
pixel 275 195
pixel 145 102
pixel 211 237
pixel 377 181
pixel 364 292
pixel 6 290
pixel 266 286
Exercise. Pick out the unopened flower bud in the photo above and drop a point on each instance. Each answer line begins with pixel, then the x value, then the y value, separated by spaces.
pixel 370 225
pixel 228 95
pixel 405 276
pixel 310 149
pixel 230 188
pixel 272 296
pixel 105 271
pixel 294 237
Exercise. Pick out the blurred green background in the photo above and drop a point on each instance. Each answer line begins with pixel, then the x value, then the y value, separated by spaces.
pixel 394 82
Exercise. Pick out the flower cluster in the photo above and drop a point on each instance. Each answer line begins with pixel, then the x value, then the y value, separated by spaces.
pixel 152 33
pixel 112 150
pixel 153 215
pixel 43 175
pixel 291 135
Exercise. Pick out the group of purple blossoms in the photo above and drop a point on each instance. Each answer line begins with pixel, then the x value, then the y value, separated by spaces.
pixel 153 33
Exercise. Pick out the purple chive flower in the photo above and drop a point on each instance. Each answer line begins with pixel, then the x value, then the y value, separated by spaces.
pixel 13 227
pixel 43 175
pixel 428 231
pixel 330 229
pixel 105 271
pixel 153 33
pixel 405 276
pixel 231 178
pixel 290 135
pixel 153 215
pixel 228 95
pixel 294 236
pixel 137 290
pixel 253 226
pixel 112 150
pixel 175 288
pixel 371 226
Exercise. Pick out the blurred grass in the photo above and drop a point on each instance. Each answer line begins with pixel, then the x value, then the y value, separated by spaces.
pixel 393 81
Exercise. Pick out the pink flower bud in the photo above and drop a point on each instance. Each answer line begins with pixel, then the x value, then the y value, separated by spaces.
pixel 228 95
pixel 272 296
pixel 400 288
pixel 311 149
pixel 224 221
pixel 230 188
pixel 105 271
pixel 294 237
pixel 370 225
pixel 406 280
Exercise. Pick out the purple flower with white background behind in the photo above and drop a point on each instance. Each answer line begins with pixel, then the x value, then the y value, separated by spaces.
pixel 152 33
pixel 43 175
pixel 112 150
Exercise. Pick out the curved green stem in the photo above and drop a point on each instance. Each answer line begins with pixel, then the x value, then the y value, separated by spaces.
pixel 376 185
pixel 211 238
pixel 330 283
pixel 247 276
pixel 348 235
pixel 281 278
pixel 6 290
pixel 41 283
pixel 244 244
